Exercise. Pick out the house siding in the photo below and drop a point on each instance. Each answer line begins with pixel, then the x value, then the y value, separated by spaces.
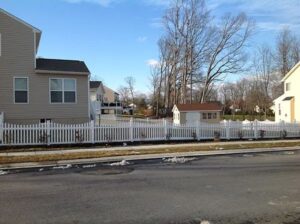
pixel 286 106
pixel 18 59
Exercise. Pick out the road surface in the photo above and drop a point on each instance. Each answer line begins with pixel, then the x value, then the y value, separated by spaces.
pixel 245 189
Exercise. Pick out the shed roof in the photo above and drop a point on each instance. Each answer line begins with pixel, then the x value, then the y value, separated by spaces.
pixel 209 106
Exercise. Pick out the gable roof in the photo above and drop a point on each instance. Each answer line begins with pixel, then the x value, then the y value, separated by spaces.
pixel 37 31
pixel 209 106
pixel 95 84
pixel 44 65
pixel 291 71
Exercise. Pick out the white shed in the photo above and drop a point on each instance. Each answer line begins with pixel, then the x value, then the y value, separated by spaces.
pixel 209 112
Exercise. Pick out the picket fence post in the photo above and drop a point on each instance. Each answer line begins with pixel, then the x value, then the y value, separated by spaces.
pixel 165 128
pixel 131 130
pixel 255 129
pixel 48 133
pixel 1 133
pixel 92 132
pixel 227 128
pixel 198 130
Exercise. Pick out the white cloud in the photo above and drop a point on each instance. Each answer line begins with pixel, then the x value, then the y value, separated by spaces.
pixel 152 62
pixel 142 39
pixel 104 3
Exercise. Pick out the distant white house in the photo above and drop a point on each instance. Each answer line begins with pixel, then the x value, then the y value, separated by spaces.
pixel 287 106
pixel 199 112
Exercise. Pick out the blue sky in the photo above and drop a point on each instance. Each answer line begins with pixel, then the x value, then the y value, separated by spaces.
pixel 118 38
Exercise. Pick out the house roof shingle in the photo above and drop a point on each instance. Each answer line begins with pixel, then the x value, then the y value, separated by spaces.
pixel 95 84
pixel 214 106
pixel 58 65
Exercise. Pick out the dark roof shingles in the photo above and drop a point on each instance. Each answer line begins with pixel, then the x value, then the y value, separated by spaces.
pixel 95 84
pixel 61 65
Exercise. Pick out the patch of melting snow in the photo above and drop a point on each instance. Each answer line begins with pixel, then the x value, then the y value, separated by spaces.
pixel 289 153
pixel 121 163
pixel 3 172
pixel 62 167
pixel 178 160
pixel 89 166
pixel 204 222
pixel 272 203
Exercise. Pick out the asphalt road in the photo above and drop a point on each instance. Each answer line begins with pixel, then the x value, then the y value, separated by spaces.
pixel 246 189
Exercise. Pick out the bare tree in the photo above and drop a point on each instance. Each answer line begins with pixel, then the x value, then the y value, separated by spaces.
pixel 227 55
pixel 264 69
pixel 130 85
pixel 288 50
pixel 124 95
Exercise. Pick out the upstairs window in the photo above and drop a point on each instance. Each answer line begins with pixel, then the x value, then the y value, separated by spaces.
pixel 62 90
pixel 21 89
pixel 288 86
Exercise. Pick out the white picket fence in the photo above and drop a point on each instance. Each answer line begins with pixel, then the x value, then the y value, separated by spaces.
pixel 133 131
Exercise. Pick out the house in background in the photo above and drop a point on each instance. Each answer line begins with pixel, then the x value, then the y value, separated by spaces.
pixel 209 112
pixel 32 89
pixel 287 106
pixel 103 101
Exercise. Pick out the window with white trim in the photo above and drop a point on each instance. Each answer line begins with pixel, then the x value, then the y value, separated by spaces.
pixel 21 89
pixel 62 90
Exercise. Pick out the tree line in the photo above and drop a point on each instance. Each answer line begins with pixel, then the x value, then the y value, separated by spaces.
pixel 197 52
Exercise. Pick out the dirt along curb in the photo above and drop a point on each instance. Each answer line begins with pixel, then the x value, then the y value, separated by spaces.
pixel 131 159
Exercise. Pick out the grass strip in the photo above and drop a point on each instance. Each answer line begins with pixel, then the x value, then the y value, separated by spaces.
pixel 103 154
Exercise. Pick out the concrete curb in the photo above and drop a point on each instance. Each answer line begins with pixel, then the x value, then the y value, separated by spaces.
pixel 35 165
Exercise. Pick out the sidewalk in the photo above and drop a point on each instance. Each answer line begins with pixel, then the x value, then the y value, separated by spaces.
pixel 216 150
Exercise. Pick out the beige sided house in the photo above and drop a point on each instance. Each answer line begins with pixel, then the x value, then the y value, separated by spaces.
pixel 32 89
pixel 199 112
pixel 287 106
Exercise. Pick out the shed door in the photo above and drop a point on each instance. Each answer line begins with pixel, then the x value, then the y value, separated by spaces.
pixel 192 117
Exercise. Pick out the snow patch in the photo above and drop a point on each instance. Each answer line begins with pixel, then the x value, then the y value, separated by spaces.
pixel 204 222
pixel 289 153
pixel 89 166
pixel 41 169
pixel 62 167
pixel 121 163
pixel 178 160
pixel 3 172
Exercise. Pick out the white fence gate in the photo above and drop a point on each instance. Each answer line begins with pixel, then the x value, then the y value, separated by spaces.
pixel 133 131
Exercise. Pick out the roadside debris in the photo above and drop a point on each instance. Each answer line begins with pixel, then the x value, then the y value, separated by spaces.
pixel 178 160
pixel 122 163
